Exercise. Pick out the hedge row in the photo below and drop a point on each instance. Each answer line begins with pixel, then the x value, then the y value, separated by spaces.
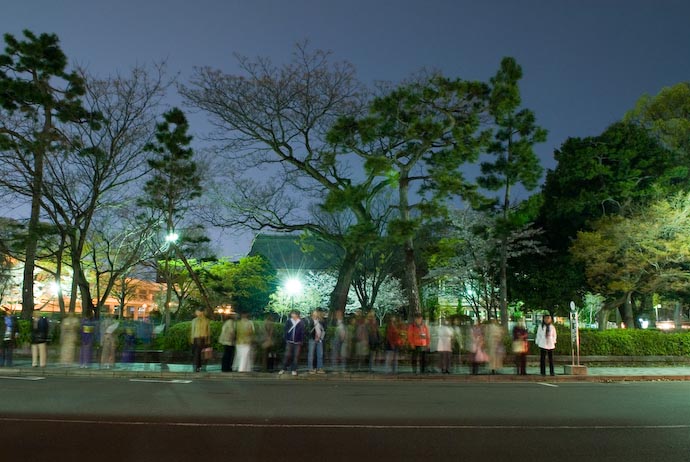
pixel 614 342
pixel 628 342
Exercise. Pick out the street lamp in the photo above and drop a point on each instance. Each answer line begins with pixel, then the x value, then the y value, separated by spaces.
pixel 293 287
pixel 172 237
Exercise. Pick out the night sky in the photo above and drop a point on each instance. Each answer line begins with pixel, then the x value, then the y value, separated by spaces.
pixel 585 62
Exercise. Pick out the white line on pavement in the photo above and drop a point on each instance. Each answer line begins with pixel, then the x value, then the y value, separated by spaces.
pixel 353 426
pixel 159 381
pixel 28 377
pixel 547 384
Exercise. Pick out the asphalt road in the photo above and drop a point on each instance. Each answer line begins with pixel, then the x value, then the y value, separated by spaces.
pixel 73 419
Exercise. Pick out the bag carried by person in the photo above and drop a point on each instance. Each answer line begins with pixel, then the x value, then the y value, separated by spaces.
pixel 481 357
pixel 519 347
pixel 207 353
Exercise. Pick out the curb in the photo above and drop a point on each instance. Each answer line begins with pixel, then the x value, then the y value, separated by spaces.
pixel 336 377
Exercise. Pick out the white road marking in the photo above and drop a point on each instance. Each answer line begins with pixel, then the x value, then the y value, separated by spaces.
pixel 352 426
pixel 159 381
pixel 547 384
pixel 28 377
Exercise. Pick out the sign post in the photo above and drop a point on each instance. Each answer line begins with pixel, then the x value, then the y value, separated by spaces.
pixel 575 368
pixel 574 334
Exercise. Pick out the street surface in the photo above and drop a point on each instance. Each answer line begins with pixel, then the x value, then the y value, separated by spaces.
pixel 102 419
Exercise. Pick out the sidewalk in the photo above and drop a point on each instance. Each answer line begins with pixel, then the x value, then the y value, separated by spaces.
pixel 212 372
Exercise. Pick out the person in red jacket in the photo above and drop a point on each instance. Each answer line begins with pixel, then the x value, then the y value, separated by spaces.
pixel 394 341
pixel 418 338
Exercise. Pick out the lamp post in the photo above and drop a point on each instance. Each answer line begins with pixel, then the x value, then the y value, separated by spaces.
pixel 656 313
pixel 170 241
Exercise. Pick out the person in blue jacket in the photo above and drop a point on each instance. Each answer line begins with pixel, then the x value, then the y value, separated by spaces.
pixel 10 330
pixel 294 337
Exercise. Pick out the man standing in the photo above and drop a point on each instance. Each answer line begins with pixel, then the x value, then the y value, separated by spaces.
pixel 39 339
pixel 418 338
pixel 316 335
pixel 88 335
pixel 10 331
pixel 227 339
pixel 200 337
pixel 294 337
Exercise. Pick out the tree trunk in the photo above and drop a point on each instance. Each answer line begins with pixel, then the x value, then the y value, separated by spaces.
pixel 197 281
pixel 503 289
pixel 338 299
pixel 58 275
pixel 410 282
pixel 504 282
pixel 32 237
pixel 603 318
pixel 123 297
pixel 168 293
pixel 677 316
pixel 628 315
pixel 87 307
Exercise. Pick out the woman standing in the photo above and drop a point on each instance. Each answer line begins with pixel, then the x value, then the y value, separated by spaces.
pixel 245 336
pixel 393 344
pixel 444 345
pixel 493 340
pixel 520 347
pixel 546 341
pixel 200 337
pixel 109 342
pixel 227 339
pixel 476 348
pixel 418 338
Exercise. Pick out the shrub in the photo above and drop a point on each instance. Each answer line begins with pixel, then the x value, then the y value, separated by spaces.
pixel 623 342
pixel 177 336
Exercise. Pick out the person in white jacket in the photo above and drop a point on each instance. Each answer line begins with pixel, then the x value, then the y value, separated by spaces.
pixel 546 341
pixel 444 345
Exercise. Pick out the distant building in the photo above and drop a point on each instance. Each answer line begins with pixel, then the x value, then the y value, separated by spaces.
pixel 140 298
pixel 292 254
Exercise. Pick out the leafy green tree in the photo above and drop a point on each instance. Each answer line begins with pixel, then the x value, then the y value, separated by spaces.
pixel 512 143
pixel 623 258
pixel 419 133
pixel 606 175
pixel 667 116
pixel 246 284
pixel 39 101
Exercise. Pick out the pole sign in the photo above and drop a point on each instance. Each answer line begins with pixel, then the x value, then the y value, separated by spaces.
pixel 574 334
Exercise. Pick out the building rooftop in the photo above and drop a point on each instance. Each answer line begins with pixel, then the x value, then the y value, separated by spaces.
pixel 294 252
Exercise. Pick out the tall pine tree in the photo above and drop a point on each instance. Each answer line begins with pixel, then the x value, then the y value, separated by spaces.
pixel 174 185
pixel 512 144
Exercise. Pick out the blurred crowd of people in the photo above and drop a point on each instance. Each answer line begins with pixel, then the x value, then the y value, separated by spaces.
pixel 83 341
pixel 354 344
pixel 360 344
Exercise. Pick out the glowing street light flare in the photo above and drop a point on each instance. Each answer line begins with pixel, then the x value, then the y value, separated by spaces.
pixel 293 286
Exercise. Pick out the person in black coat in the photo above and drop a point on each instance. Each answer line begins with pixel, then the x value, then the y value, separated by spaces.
pixel 294 337
pixel 39 340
